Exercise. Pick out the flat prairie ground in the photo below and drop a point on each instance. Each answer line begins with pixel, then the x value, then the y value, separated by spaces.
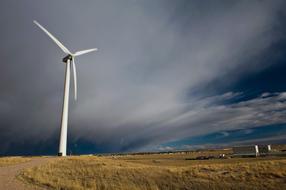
pixel 158 172
pixel 7 161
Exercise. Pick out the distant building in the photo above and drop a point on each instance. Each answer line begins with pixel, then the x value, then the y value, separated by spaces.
pixel 264 149
pixel 251 150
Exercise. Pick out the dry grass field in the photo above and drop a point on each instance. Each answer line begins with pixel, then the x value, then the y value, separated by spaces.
pixel 157 171
pixel 6 161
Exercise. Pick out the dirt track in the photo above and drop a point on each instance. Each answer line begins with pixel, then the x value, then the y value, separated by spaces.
pixel 8 174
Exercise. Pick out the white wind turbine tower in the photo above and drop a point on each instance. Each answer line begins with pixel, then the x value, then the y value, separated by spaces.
pixel 67 60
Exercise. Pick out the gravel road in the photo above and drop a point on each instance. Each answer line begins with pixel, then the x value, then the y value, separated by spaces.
pixel 8 174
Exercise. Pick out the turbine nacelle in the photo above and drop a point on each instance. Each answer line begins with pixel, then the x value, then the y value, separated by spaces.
pixel 68 57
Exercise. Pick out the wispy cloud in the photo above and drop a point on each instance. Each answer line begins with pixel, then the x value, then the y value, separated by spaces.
pixel 203 120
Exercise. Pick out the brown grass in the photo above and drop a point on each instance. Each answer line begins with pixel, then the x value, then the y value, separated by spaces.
pixel 154 172
pixel 6 161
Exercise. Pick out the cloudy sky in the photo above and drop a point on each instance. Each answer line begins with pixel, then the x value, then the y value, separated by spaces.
pixel 168 74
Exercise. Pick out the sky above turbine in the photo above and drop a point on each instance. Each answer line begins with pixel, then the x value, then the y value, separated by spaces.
pixel 168 75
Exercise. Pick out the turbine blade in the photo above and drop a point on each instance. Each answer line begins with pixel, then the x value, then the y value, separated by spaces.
pixel 84 51
pixel 53 38
pixel 74 79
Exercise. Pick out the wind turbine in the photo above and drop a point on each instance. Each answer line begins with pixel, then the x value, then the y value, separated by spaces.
pixel 68 59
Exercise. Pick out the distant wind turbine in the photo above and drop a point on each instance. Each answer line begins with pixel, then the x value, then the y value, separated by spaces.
pixel 68 60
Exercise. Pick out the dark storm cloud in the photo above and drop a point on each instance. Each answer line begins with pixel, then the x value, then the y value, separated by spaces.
pixel 151 54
